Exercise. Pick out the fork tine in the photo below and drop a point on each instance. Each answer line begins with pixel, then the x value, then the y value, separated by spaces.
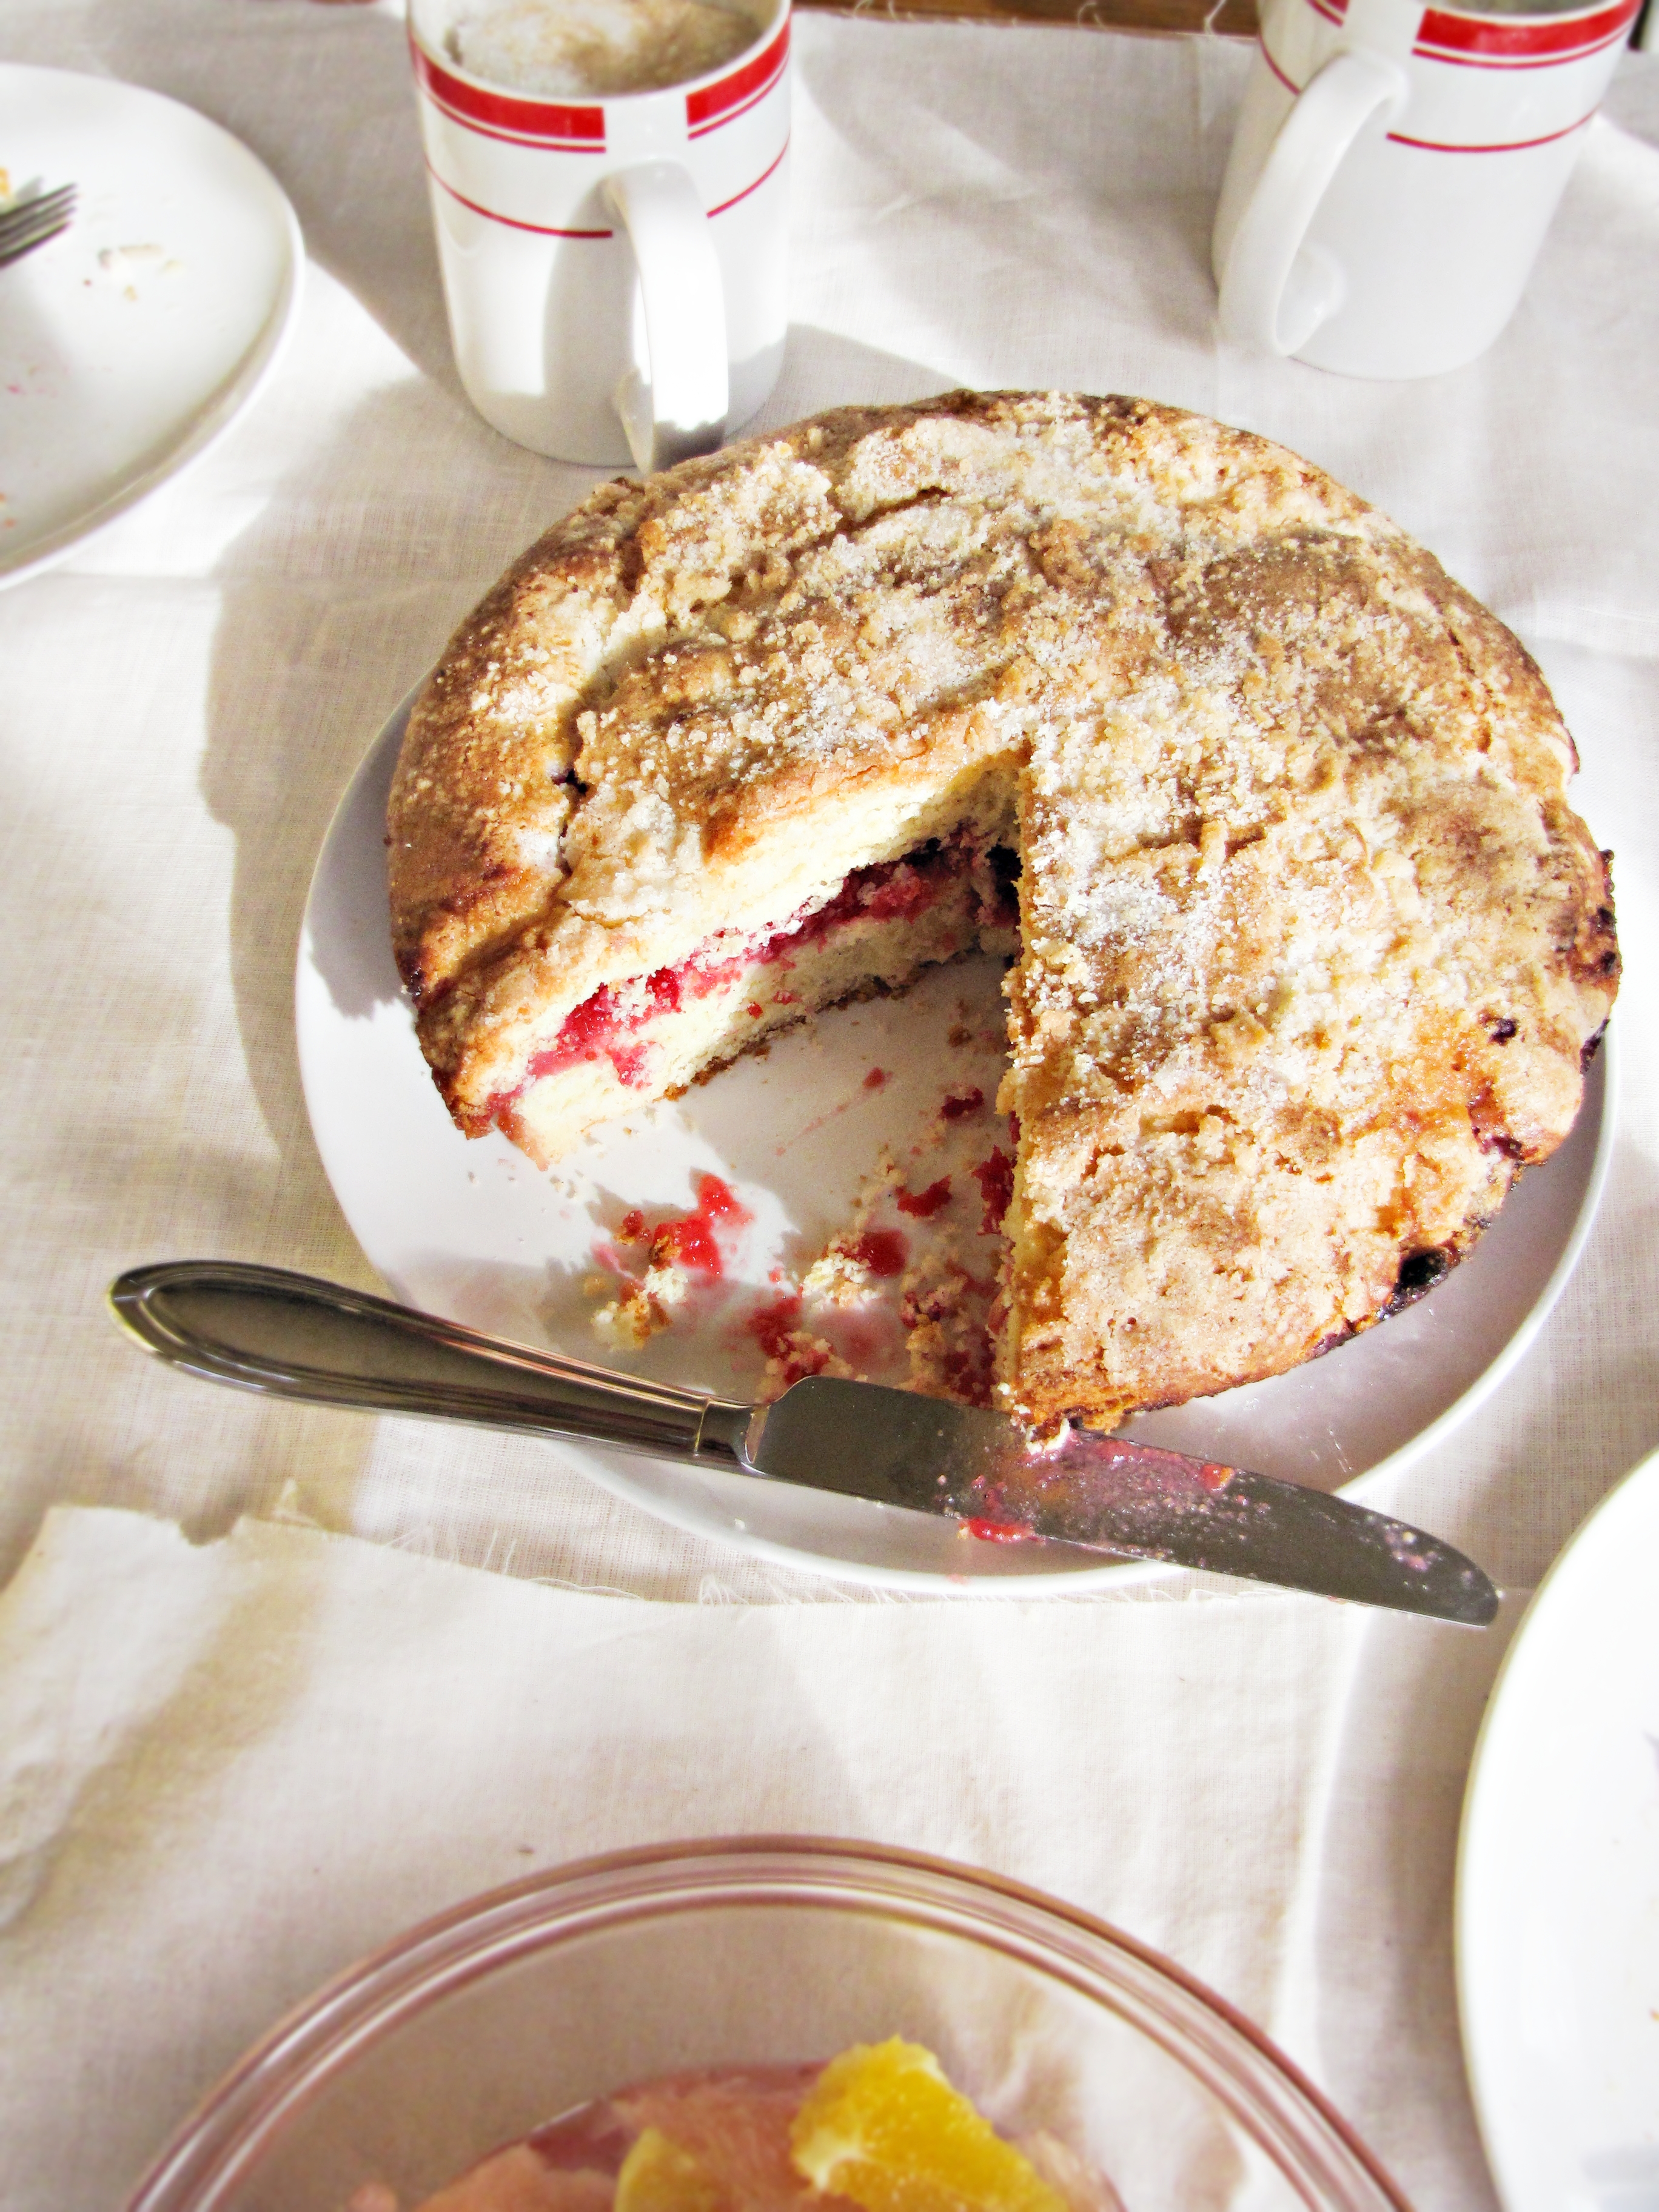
pixel 58 202
pixel 14 249
pixel 30 203
pixel 33 221
pixel 30 225
pixel 39 227
pixel 24 233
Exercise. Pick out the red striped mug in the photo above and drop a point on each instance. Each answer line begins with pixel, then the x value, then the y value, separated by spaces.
pixel 615 269
pixel 1394 171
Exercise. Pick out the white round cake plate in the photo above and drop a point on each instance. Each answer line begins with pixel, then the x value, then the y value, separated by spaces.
pixel 1557 1880
pixel 132 340
pixel 473 1231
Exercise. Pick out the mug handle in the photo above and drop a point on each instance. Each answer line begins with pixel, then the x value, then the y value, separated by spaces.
pixel 1269 261
pixel 682 409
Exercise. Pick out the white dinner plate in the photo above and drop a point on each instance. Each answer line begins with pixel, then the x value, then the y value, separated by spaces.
pixel 129 342
pixel 1557 1880
pixel 471 1231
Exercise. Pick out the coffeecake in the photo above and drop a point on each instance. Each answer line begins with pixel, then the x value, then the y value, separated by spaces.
pixel 1307 948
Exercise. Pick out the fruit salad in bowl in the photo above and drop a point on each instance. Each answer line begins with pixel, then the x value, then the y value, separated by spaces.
pixel 813 2025
pixel 879 2128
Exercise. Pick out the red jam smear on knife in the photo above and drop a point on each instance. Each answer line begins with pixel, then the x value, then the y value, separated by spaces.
pixel 997 1532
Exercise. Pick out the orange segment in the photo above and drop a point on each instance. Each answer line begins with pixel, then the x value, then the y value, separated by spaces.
pixel 658 2176
pixel 883 2126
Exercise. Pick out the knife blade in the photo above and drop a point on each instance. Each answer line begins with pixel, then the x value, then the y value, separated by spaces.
pixel 1110 1493
pixel 294 1336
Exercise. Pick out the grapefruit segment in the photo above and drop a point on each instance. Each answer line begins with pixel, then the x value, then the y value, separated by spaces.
pixel 882 2125
pixel 517 2181
pixel 736 2124
pixel 658 2176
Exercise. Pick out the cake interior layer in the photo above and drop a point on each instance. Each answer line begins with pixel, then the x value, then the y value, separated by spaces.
pixel 652 1036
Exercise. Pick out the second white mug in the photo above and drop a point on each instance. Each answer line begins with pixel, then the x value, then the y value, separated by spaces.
pixel 615 270
pixel 1394 171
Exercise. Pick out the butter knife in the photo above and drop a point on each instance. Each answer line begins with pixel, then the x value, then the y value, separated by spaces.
pixel 294 1336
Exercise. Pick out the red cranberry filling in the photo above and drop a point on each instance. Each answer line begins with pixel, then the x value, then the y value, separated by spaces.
pixel 995 1178
pixel 888 890
pixel 883 1251
pixel 691 1239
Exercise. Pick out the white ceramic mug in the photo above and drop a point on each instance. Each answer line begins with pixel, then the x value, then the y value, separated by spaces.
pixel 615 270
pixel 1394 171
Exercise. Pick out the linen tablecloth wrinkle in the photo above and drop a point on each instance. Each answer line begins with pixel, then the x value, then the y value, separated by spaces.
pixel 214 1777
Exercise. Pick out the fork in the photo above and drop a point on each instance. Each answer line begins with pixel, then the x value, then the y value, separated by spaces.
pixel 30 221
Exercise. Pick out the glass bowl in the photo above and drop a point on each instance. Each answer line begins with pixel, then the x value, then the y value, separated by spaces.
pixel 494 2018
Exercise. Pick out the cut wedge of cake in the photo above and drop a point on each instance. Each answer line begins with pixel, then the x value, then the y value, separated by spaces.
pixel 1310 947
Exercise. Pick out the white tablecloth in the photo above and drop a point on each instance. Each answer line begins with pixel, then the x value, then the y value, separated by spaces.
pixel 1265 1785
pixel 229 1771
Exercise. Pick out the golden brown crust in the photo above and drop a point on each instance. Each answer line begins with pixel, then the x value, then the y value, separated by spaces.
pixel 481 794
pixel 1312 942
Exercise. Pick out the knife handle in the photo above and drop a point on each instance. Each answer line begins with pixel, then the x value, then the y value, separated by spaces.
pixel 295 1336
